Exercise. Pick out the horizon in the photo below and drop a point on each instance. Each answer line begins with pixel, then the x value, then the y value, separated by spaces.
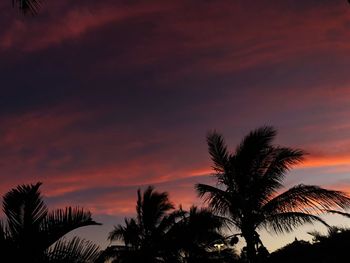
pixel 101 98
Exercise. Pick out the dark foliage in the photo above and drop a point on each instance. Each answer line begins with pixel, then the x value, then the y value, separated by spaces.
pixel 325 249
pixel 161 234
pixel 31 233
pixel 247 184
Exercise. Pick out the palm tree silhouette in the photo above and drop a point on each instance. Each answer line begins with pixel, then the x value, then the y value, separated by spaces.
pixel 159 233
pixel 31 233
pixel 195 235
pixel 247 185
pixel 145 236
pixel 27 6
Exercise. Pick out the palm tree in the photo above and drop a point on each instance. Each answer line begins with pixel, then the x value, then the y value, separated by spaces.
pixel 247 185
pixel 159 233
pixel 196 234
pixel 31 233
pixel 27 6
pixel 144 237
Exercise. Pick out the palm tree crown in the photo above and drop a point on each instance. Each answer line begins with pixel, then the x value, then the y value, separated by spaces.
pixel 159 233
pixel 144 236
pixel 33 234
pixel 195 235
pixel 248 182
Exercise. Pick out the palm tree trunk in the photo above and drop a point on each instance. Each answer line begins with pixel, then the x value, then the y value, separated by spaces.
pixel 251 251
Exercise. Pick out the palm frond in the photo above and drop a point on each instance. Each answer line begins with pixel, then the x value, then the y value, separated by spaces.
pixel 151 207
pixel 219 200
pixel 112 254
pixel 339 213
pixel 27 6
pixel 248 157
pixel 195 233
pixel 61 221
pixel 3 232
pixel 73 251
pixel 308 199
pixel 282 160
pixel 271 170
pixel 218 152
pixel 139 205
pixel 6 242
pixel 170 220
pixel 204 225
pixel 254 144
pixel 288 221
pixel 118 233
pixel 130 233
pixel 24 209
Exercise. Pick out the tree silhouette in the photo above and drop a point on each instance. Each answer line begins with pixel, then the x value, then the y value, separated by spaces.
pixel 159 233
pixel 145 236
pixel 326 248
pixel 195 235
pixel 247 185
pixel 31 233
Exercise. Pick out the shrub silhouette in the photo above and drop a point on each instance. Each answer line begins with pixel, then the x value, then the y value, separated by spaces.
pixel 329 248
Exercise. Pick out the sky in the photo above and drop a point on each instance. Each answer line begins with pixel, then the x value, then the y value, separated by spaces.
pixel 99 98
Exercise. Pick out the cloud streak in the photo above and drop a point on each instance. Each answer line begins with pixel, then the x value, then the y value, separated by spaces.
pixel 100 98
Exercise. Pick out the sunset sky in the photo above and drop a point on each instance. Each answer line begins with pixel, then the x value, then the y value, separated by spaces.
pixel 99 98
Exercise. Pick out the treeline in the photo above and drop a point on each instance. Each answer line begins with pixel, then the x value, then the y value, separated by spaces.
pixel 244 200
pixel 332 247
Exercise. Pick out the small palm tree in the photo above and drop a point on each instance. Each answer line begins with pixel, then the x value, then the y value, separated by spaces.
pixel 247 185
pixel 161 234
pixel 144 237
pixel 33 234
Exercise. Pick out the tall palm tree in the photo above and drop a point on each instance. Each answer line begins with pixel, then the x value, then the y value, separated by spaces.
pixel 31 233
pixel 27 6
pixel 248 181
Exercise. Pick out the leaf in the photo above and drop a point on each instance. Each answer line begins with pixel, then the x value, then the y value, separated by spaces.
pixel 61 221
pixel 307 198
pixel 73 251
pixel 27 6
pixel 218 152
pixel 25 210
pixel 288 221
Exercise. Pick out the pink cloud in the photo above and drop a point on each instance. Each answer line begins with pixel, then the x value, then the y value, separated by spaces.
pixel 52 147
pixel 70 25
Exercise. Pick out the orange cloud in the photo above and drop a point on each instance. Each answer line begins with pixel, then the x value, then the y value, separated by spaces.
pixel 326 161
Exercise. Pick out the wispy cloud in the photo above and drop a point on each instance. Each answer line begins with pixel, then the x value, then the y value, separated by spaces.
pixel 119 94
